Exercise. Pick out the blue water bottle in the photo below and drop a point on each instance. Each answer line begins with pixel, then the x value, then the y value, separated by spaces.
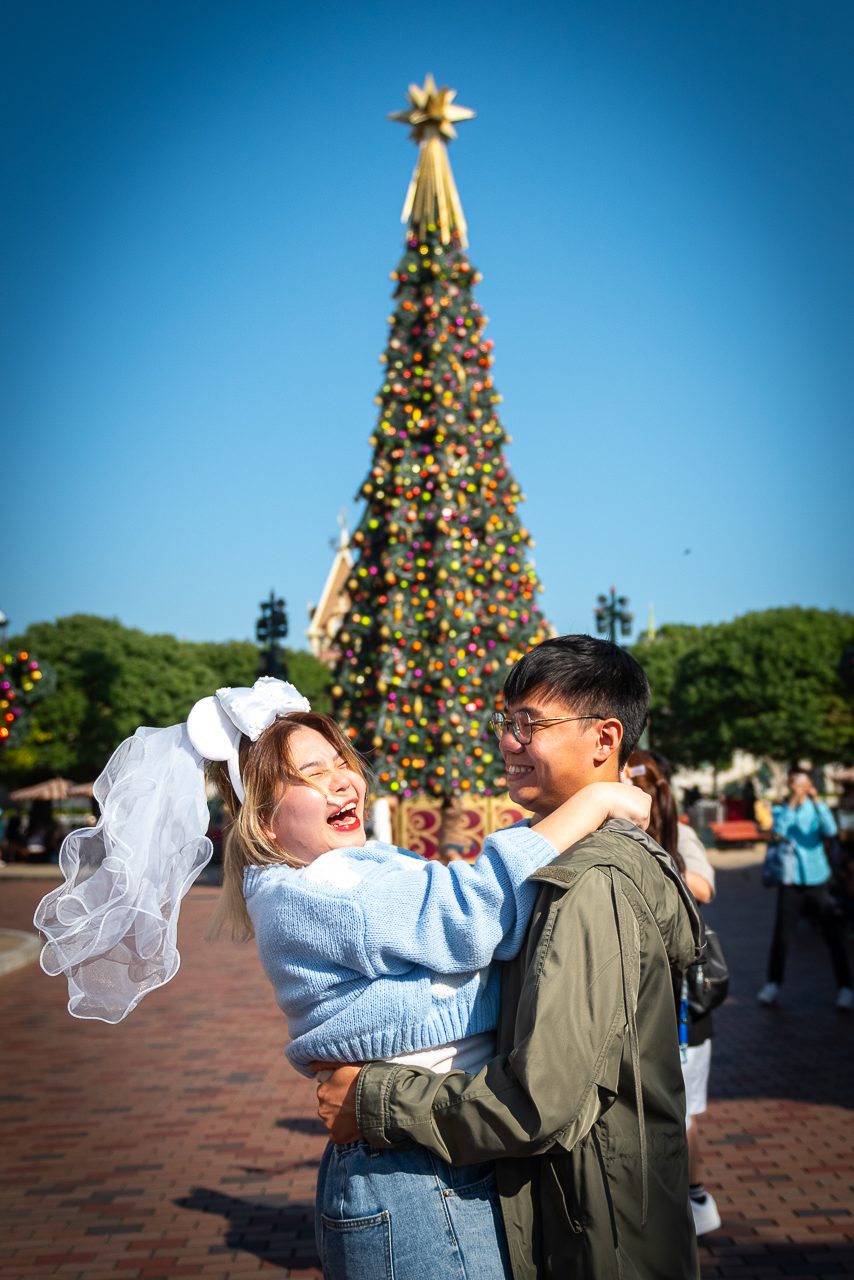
pixel 683 1021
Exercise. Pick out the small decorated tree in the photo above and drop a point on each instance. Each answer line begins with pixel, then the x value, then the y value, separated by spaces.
pixel 21 684
pixel 443 593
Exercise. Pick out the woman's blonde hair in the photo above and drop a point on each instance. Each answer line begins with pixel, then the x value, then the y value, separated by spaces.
pixel 265 765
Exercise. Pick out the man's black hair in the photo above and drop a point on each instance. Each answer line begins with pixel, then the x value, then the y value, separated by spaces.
pixel 589 676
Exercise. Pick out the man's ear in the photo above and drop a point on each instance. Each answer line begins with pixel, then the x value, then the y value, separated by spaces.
pixel 608 740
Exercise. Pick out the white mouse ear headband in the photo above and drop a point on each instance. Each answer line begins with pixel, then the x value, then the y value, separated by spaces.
pixel 111 926
pixel 215 724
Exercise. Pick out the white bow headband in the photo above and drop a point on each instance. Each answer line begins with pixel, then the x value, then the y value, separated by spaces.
pixel 215 724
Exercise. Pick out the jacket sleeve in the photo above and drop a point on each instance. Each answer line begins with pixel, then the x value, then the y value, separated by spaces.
pixel 569 1032
pixel 782 820
pixel 452 919
pixel 826 820
pixel 803 820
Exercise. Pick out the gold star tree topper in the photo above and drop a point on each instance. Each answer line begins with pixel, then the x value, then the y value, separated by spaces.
pixel 432 196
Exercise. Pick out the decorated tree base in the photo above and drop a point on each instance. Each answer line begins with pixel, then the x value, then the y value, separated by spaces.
pixel 427 825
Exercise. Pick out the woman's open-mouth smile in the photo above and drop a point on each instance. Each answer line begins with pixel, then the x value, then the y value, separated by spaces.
pixel 346 818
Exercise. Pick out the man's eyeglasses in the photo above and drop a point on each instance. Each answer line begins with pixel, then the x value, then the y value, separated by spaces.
pixel 522 726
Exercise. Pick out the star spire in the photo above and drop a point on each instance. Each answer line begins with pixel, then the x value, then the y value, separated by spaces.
pixel 432 196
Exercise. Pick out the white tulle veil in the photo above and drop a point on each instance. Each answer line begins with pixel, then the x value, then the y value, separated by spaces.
pixel 111 926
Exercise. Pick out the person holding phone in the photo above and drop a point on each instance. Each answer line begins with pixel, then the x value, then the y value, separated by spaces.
pixel 806 821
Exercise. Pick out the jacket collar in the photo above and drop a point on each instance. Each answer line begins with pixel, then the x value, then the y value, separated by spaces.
pixel 620 844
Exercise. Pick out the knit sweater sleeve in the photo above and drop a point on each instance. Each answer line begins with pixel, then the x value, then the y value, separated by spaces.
pixel 452 919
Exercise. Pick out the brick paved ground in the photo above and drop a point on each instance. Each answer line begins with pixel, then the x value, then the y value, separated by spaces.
pixel 180 1144
pixel 780 1126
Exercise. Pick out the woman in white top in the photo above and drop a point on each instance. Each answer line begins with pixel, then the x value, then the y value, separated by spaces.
pixel 650 772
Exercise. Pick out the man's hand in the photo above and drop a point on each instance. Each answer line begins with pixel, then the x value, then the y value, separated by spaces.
pixel 336 1100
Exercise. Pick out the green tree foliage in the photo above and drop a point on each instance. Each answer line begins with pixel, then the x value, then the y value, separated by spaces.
pixel 660 660
pixel 770 683
pixel 443 592
pixel 111 679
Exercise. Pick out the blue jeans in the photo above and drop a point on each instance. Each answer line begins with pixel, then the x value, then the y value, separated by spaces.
pixel 407 1215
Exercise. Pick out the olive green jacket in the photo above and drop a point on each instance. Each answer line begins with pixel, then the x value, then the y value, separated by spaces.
pixel 583 1109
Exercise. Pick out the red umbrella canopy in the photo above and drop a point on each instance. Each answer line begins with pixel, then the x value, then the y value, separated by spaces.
pixel 52 789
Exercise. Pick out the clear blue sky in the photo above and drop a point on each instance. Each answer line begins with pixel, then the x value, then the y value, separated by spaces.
pixel 199 212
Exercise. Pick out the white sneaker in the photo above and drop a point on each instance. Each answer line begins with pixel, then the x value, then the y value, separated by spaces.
pixel 845 1000
pixel 706 1216
pixel 769 993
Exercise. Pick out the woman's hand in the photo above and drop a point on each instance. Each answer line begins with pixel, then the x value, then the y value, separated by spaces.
pixel 336 1100
pixel 589 808
pixel 623 801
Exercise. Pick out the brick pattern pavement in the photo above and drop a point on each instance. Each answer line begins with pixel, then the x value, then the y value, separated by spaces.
pixel 180 1143
pixel 780 1126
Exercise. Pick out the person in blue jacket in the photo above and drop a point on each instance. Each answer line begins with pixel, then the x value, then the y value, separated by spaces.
pixel 806 821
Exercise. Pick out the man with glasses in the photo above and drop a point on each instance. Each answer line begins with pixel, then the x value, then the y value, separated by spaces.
pixel 582 1108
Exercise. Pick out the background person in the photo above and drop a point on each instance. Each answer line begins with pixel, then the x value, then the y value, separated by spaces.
pixel 843 878
pixel 806 821
pixel 650 771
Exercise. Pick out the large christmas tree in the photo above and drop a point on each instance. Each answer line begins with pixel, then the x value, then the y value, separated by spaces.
pixel 443 594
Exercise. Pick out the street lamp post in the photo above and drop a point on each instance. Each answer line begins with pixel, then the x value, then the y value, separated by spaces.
pixel 612 613
pixel 271 627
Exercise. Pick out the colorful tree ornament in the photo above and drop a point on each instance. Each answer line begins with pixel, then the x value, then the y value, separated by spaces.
pixel 443 593
pixel 21 685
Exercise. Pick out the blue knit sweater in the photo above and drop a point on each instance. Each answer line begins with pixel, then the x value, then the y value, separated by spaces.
pixel 375 952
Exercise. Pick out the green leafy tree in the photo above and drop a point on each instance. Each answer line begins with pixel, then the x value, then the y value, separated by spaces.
pixel 660 658
pixel 311 677
pixel 111 679
pixel 771 683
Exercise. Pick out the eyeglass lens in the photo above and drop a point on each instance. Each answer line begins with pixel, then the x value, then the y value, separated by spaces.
pixel 518 722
